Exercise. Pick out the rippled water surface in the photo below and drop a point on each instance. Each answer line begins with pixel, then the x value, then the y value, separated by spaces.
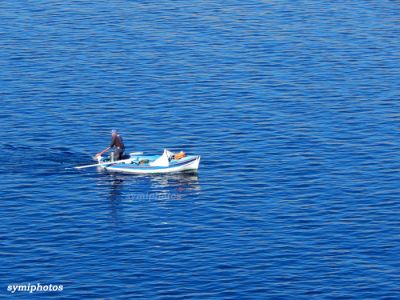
pixel 293 106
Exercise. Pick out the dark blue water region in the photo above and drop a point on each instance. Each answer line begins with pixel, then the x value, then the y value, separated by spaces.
pixel 293 106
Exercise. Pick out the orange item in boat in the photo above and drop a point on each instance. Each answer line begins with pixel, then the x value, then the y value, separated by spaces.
pixel 180 155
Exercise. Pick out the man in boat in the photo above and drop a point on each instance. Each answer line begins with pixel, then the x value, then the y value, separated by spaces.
pixel 117 143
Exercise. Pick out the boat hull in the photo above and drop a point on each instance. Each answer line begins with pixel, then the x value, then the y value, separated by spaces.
pixel 188 164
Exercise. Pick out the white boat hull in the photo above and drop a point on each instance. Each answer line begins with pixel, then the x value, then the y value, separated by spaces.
pixel 189 163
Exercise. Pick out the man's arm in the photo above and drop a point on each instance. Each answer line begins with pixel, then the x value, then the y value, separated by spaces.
pixel 113 140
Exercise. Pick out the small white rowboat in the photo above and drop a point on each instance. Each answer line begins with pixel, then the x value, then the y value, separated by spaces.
pixel 150 164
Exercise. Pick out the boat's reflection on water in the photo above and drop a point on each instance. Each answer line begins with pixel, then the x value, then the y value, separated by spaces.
pixel 157 187
pixel 180 184
pixel 163 188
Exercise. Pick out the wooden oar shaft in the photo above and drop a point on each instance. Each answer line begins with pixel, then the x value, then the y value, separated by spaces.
pixel 102 164
pixel 108 163
pixel 102 152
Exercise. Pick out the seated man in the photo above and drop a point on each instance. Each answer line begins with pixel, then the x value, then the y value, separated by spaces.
pixel 117 143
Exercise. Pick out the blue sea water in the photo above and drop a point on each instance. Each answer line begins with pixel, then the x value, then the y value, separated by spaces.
pixel 293 106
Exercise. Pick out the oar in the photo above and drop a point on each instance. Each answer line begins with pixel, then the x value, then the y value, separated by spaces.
pixel 102 164
pixel 101 153
pixel 135 153
pixel 108 163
